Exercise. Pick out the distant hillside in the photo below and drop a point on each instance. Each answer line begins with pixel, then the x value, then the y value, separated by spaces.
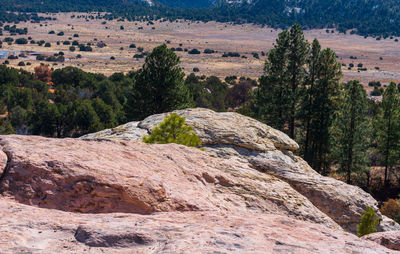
pixel 372 17
pixel 187 3
pixel 366 17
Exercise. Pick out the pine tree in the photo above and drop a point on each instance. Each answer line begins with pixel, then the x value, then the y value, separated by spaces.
pixel 297 58
pixel 368 223
pixel 387 127
pixel 351 130
pixel 173 129
pixel 278 96
pixel 308 94
pixel 325 94
pixel 270 99
pixel 159 85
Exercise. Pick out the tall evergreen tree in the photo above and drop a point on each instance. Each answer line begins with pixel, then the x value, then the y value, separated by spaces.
pixel 351 130
pixel 297 58
pixel 278 97
pixel 308 94
pixel 325 94
pixel 387 127
pixel 159 85
pixel 270 99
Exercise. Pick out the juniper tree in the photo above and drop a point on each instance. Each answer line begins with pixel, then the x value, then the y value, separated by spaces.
pixel 387 128
pixel 351 130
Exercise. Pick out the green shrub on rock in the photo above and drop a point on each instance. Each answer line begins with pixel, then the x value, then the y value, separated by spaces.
pixel 368 223
pixel 173 129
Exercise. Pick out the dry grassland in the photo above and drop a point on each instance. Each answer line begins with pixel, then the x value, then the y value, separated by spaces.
pixel 220 37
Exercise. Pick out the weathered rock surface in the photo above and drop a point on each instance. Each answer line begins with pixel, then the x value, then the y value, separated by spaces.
pixel 27 229
pixel 213 129
pixel 108 192
pixel 233 136
pixel 390 239
pixel 127 176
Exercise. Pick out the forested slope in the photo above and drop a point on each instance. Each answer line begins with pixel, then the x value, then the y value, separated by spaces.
pixel 366 17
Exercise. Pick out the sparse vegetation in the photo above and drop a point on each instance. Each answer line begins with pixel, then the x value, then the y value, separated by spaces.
pixel 173 129
pixel 368 223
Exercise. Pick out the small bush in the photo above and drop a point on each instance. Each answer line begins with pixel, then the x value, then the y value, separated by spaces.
pixel 21 41
pixel 208 51
pixel 368 223
pixel 194 52
pixel 173 129
pixel 377 92
pixel 8 39
pixel 390 208
pixel 85 48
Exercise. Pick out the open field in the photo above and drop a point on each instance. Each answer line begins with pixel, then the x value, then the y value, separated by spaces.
pixel 220 37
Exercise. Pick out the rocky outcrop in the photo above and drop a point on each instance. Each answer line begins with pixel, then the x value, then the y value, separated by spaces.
pixel 390 239
pixel 132 177
pixel 28 229
pixel 233 136
pixel 109 192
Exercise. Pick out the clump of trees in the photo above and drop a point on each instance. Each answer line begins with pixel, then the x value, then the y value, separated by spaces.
pixel 297 93
pixel 70 102
pixel 338 128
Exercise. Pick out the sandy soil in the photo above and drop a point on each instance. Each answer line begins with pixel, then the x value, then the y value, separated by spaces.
pixel 220 37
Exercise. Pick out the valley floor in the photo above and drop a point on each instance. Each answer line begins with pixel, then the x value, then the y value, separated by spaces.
pixel 220 37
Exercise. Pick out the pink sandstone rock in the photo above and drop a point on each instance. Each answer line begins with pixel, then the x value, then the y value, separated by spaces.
pixel 132 177
pixel 233 136
pixel 246 193
pixel 27 229
pixel 390 239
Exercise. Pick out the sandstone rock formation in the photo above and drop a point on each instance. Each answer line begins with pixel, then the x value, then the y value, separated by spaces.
pixel 233 136
pixel 110 193
pixel 390 239
pixel 27 229
pixel 132 177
